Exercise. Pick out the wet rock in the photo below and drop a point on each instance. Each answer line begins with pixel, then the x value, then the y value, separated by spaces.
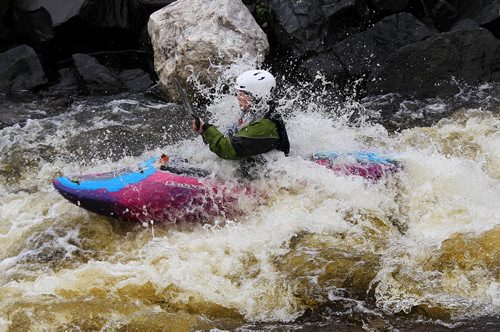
pixel 95 77
pixel 298 23
pixel 362 52
pixel 251 5
pixel 154 4
pixel 305 27
pixel 326 64
pixel 427 68
pixel 197 39
pixel 32 22
pixel 109 13
pixel 357 55
pixel 20 70
pixel 135 79
pixel 60 11
pixel 389 6
pixel 4 5
pixel 67 83
pixel 484 12
pixel 465 24
pixel 444 14
pixel 130 15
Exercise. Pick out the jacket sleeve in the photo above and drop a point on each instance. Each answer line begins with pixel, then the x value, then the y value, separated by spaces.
pixel 219 144
pixel 258 137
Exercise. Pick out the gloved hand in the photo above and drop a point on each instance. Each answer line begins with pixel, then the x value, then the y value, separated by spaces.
pixel 198 126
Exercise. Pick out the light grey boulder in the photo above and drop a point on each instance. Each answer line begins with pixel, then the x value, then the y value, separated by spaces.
pixel 200 38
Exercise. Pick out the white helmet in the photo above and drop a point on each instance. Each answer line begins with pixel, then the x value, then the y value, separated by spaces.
pixel 258 83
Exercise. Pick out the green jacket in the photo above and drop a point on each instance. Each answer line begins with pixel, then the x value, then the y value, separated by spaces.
pixel 255 138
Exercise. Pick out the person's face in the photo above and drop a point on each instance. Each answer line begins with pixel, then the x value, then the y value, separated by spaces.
pixel 244 100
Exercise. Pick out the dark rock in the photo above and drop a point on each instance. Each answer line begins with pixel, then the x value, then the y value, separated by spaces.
pixel 445 13
pixel 135 79
pixel 68 82
pixel 326 64
pixel 132 15
pixel 305 27
pixel 484 12
pixel 430 67
pixel 109 13
pixel 389 6
pixel 78 36
pixel 421 8
pixel 465 24
pixel 20 69
pixel 61 11
pixel 4 5
pixel 7 40
pixel 154 5
pixel 34 26
pixel 296 25
pixel 95 77
pixel 251 5
pixel 363 51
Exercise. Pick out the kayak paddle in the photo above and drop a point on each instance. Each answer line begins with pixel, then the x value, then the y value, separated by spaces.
pixel 186 102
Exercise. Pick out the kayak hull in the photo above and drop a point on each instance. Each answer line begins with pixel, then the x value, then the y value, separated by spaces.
pixel 150 194
pixel 368 165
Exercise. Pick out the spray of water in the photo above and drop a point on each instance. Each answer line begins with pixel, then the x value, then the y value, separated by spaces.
pixel 421 241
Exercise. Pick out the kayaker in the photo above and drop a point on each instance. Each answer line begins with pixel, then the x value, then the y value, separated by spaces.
pixel 260 128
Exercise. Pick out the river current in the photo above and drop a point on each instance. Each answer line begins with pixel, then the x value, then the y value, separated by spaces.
pixel 419 249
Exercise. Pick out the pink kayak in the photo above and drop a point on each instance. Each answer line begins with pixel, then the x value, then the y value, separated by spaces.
pixel 168 194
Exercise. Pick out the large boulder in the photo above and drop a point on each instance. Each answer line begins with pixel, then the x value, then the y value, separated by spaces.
pixel 357 55
pixel 198 37
pixel 313 26
pixel 95 77
pixel 484 12
pixel 32 22
pixel 20 70
pixel 60 11
pixel 135 79
pixel 444 13
pixel 131 14
pixel 323 65
pixel 389 6
pixel 465 24
pixel 431 67
pixel 363 51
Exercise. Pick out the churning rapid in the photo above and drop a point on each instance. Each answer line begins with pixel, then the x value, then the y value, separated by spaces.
pixel 418 248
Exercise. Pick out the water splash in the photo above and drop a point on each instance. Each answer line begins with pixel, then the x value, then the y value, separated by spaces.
pixel 422 242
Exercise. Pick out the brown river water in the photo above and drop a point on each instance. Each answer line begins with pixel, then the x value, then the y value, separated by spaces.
pixel 417 250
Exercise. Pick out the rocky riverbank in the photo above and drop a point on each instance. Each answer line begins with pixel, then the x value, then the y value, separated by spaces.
pixel 413 48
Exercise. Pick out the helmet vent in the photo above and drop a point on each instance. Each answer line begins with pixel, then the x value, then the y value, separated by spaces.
pixel 257 83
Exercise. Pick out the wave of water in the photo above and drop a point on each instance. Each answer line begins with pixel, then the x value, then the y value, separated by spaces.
pixel 325 249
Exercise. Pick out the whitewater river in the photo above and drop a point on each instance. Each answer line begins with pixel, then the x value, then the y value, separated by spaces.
pixel 418 249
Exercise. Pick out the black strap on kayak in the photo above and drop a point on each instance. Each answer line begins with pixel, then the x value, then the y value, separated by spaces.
pixel 185 170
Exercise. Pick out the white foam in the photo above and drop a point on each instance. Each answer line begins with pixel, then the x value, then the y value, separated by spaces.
pixel 442 190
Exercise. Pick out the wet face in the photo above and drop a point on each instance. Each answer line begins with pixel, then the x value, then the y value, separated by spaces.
pixel 244 100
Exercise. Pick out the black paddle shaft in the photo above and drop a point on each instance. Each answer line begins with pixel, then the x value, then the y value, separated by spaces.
pixel 187 104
